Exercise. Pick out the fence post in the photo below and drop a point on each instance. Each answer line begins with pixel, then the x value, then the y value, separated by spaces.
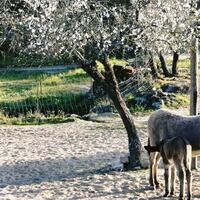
pixel 194 84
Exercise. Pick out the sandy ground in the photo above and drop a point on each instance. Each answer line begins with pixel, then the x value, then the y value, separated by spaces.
pixel 67 161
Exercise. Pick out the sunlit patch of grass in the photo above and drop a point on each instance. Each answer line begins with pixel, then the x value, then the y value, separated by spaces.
pixel 116 61
pixel 183 99
pixel 100 66
pixel 158 83
pixel 113 61
pixel 23 91
pixel 51 80
pixel 136 109
pixel 76 74
pixel 180 100
pixel 182 62
pixel 20 85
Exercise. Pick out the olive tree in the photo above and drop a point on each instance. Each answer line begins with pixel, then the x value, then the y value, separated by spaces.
pixel 88 30
pixel 9 9
pixel 168 27
pixel 92 30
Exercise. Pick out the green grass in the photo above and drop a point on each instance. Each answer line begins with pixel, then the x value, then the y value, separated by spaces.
pixel 21 85
pixel 183 62
pixel 22 92
pixel 180 100
pixel 116 61
pixel 35 118
pixel 39 97
pixel 140 109
pixel 113 61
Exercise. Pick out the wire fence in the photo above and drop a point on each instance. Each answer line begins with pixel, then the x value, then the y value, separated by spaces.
pixel 139 81
pixel 23 92
pixel 69 92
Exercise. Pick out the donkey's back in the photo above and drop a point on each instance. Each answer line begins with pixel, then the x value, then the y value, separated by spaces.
pixel 163 124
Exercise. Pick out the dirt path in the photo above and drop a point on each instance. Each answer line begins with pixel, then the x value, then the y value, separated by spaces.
pixel 65 162
pixel 55 68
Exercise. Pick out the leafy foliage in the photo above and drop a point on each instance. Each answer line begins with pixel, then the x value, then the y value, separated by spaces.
pixel 88 29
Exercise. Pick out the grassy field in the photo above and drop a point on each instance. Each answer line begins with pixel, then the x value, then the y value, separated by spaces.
pixel 184 62
pixel 26 97
pixel 41 97
pixel 29 92
pixel 20 85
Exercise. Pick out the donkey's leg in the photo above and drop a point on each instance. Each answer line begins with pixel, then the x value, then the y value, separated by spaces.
pixel 156 169
pixel 189 184
pixel 154 161
pixel 187 164
pixel 167 180
pixel 181 176
pixel 194 162
pixel 173 179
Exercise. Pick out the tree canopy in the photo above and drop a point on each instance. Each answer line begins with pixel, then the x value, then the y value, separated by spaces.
pixel 88 28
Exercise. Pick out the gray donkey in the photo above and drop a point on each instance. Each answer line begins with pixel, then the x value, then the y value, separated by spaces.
pixel 176 152
pixel 163 124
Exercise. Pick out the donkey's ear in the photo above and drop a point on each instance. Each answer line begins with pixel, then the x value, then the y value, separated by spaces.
pixel 147 148
pixel 152 149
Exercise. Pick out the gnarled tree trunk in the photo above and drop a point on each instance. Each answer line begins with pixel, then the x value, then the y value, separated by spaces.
pixel 110 85
pixel 152 65
pixel 164 65
pixel 174 63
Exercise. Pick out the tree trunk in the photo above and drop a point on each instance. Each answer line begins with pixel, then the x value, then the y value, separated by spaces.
pixel 194 85
pixel 137 13
pixel 133 139
pixel 110 85
pixel 152 65
pixel 115 95
pixel 198 5
pixel 164 65
pixel 174 64
pixel 194 77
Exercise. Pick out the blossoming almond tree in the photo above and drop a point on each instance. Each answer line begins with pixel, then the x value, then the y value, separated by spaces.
pixel 168 28
pixel 91 30
pixel 88 30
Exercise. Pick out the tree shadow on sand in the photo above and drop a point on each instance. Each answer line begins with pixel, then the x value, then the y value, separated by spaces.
pixel 48 170
pixel 86 176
